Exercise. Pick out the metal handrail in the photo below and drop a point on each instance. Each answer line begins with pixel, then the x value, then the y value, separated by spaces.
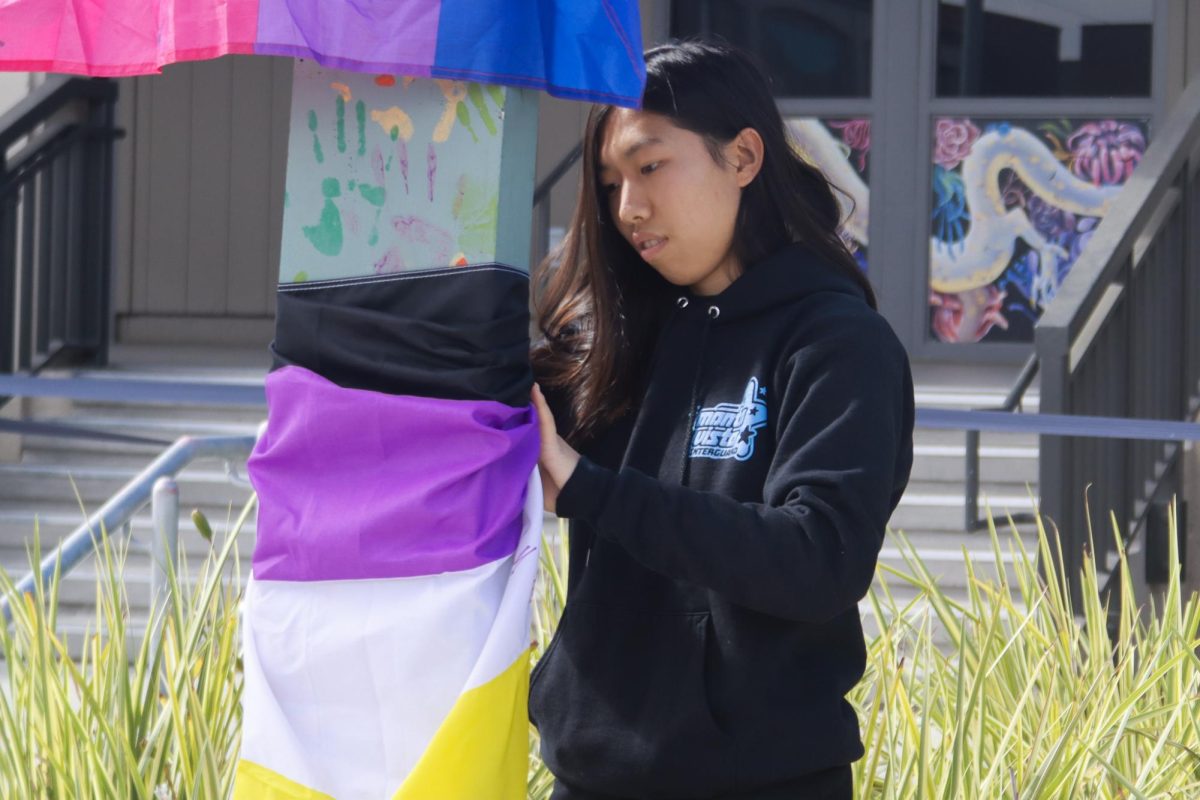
pixel 52 95
pixel 556 174
pixel 115 514
pixel 541 198
pixel 1013 401
pixel 1086 333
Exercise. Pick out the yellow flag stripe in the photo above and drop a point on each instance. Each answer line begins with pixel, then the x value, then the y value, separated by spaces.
pixel 481 750
pixel 255 782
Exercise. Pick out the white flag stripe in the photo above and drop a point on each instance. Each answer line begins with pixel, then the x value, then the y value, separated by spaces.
pixel 348 681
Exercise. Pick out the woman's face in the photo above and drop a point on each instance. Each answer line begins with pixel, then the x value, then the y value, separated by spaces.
pixel 671 200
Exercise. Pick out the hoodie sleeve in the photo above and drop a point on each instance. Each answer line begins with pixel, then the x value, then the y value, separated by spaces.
pixel 808 553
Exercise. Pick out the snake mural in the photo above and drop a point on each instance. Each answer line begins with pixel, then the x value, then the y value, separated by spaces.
pixel 840 148
pixel 1013 206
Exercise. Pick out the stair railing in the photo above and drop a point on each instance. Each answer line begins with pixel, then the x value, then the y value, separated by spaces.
pixel 56 153
pixel 113 517
pixel 541 201
pixel 1120 339
pixel 1013 403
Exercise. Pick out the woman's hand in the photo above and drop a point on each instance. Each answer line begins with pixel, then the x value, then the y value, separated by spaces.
pixel 557 459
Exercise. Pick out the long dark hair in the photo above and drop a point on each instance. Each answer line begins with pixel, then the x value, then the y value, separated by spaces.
pixel 597 304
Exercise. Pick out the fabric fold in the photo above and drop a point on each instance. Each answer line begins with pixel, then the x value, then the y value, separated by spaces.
pixel 339 702
pixel 458 334
pixel 355 484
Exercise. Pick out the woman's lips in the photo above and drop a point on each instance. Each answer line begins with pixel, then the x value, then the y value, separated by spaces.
pixel 654 249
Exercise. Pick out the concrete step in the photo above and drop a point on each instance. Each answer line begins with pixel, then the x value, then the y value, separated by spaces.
pixel 146 425
pixel 930 506
pixel 204 482
pixel 117 458
pixel 133 410
pixel 967 399
pixel 997 464
pixel 55 522
pixel 933 436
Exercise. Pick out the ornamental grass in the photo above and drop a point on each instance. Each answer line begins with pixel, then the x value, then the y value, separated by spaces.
pixel 1011 693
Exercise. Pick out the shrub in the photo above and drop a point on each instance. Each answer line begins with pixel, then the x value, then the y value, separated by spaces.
pixel 1010 694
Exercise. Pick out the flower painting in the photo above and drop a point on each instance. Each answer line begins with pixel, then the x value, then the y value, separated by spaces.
pixel 841 148
pixel 1014 203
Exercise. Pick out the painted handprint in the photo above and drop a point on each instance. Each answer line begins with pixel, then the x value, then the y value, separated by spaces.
pixel 351 197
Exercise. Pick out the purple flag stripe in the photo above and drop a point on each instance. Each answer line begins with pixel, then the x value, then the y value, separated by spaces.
pixel 337 62
pixel 383 35
pixel 354 484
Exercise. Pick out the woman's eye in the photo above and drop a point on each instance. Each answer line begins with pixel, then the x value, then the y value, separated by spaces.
pixel 646 170
pixel 609 188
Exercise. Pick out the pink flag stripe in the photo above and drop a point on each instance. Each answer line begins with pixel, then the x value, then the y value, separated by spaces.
pixel 114 38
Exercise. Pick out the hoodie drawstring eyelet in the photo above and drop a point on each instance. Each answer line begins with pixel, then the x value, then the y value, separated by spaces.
pixel 682 302
pixel 713 312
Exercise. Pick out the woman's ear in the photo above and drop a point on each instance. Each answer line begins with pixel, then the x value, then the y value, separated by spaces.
pixel 745 153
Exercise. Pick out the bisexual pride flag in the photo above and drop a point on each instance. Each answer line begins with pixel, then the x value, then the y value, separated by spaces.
pixel 580 49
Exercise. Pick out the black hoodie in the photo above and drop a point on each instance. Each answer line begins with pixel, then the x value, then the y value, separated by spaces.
pixel 721 538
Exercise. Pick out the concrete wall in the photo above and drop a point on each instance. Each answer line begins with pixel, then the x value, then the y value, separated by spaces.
pixel 13 86
pixel 199 193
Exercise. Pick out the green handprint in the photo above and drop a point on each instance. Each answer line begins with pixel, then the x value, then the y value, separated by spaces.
pixel 326 235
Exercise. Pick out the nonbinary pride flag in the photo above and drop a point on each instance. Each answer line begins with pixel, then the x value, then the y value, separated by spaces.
pixel 387 622
pixel 578 49
pixel 386 521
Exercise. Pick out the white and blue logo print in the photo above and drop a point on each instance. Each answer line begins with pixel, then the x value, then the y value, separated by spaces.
pixel 727 430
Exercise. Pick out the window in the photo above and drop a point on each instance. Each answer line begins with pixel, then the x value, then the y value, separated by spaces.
pixel 811 48
pixel 1048 48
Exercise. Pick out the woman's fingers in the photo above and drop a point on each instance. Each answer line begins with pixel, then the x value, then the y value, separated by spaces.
pixel 546 424
pixel 548 432
pixel 549 491
pixel 557 458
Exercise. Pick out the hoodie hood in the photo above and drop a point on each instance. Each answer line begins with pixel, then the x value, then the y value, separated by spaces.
pixel 790 274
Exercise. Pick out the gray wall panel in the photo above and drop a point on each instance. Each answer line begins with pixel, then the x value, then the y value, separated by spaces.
pixel 208 251
pixel 281 109
pixel 249 189
pixel 170 209
pixel 200 193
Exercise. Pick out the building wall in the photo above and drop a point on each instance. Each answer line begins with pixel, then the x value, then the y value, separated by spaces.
pixel 200 179
pixel 201 176
pixel 200 200
pixel 13 86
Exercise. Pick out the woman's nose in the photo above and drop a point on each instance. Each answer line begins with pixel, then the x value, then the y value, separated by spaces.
pixel 632 206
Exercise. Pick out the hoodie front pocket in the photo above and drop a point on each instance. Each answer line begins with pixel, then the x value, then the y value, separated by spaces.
pixel 621 705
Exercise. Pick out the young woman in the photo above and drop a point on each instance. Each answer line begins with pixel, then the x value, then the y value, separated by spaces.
pixel 738 429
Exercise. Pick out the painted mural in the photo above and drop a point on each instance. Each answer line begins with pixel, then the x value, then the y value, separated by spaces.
pixel 1014 204
pixel 389 174
pixel 841 149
